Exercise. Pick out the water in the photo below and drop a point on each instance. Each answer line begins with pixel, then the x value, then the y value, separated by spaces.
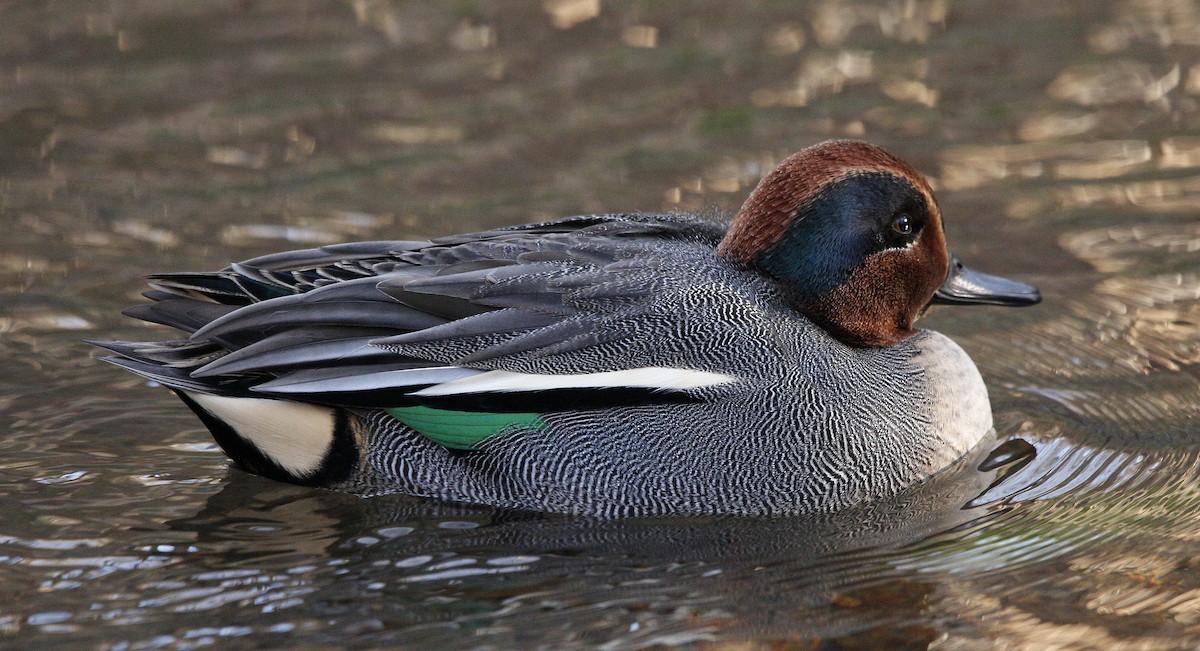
pixel 140 137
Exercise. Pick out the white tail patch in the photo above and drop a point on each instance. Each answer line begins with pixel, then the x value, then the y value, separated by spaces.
pixel 295 435
pixel 648 377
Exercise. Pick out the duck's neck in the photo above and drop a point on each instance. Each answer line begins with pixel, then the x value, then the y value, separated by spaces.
pixel 852 312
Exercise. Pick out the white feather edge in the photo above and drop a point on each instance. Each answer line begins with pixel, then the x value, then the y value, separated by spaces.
pixel 647 377
pixel 295 435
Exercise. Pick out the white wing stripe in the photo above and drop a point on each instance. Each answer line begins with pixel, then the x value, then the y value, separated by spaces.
pixel 649 377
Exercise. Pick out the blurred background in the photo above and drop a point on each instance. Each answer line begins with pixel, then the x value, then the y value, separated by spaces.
pixel 1063 139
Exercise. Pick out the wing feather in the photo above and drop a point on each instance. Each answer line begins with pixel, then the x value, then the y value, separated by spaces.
pixel 357 323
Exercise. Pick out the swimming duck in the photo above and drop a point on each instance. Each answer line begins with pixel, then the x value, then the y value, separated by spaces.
pixel 609 365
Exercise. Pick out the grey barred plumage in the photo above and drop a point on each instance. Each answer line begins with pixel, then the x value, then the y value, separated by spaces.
pixel 605 365
pixel 783 441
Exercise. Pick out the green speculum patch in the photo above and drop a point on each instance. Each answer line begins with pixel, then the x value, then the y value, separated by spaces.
pixel 462 430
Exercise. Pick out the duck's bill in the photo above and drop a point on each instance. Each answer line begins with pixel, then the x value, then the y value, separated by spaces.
pixel 965 286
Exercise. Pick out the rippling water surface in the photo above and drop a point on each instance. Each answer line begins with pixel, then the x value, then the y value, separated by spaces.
pixel 1063 138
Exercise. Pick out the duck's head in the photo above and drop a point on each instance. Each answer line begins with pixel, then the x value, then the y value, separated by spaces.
pixel 854 236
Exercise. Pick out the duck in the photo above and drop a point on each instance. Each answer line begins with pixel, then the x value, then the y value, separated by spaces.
pixel 608 365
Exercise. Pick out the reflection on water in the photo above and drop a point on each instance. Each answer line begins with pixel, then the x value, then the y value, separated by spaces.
pixel 970 167
pixel 151 137
pixel 1113 82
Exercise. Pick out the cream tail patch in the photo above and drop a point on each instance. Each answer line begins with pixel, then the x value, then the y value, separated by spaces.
pixel 295 435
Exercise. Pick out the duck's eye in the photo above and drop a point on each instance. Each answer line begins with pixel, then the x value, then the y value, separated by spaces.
pixel 902 224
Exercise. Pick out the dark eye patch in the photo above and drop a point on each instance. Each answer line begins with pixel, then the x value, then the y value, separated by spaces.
pixel 908 214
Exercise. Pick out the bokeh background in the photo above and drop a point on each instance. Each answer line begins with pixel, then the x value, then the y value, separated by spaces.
pixel 1063 139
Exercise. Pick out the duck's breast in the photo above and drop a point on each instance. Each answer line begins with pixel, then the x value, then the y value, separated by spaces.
pixel 957 398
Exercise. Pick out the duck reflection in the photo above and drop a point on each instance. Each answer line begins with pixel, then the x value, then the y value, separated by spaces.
pixel 694 578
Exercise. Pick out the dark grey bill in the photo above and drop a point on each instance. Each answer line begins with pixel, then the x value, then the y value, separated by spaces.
pixel 965 286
